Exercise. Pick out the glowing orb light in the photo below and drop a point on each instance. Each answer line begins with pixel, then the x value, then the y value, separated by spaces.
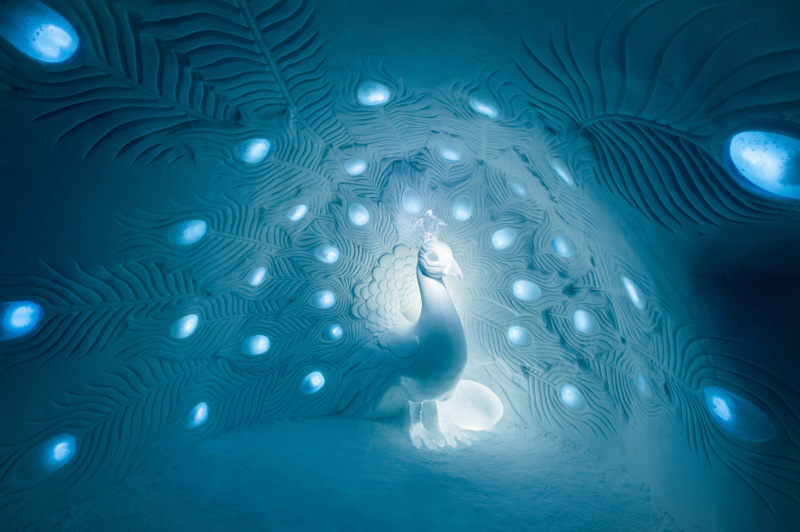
pixel 472 406
pixel 327 254
pixel 768 160
pixel 355 167
pixel 198 415
pixel 332 333
pixel 572 397
pixel 297 213
pixel 563 246
pixel 738 416
pixel 483 105
pixel 462 208
pixel 634 294
pixel 312 383
pixel 184 327
pixel 562 171
pixel 503 238
pixel 38 31
pixel 187 233
pixel 585 322
pixel 642 384
pixel 517 187
pixel 255 345
pixel 19 318
pixel 257 276
pixel 412 201
pixel 254 151
pixel 526 290
pixel 358 214
pixel 324 299
pixel 373 94
pixel 451 154
pixel 519 336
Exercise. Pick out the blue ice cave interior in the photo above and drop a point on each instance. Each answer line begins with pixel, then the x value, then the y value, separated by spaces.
pixel 422 265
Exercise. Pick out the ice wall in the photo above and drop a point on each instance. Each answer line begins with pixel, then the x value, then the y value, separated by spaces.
pixel 208 210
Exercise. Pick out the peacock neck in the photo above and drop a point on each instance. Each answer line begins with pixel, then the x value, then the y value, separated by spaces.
pixel 436 302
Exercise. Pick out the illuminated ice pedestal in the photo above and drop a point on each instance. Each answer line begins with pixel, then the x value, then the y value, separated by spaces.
pixel 768 160
pixel 472 406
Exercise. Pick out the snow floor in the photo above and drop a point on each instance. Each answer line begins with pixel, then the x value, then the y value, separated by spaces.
pixel 351 475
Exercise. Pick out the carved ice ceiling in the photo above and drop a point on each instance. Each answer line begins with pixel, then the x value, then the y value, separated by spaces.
pixel 227 209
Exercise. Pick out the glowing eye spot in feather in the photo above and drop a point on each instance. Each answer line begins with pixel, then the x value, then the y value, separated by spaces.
pixel 462 209
pixel 297 213
pixel 503 238
pixel 412 201
pixel 451 154
pixel 258 344
pixel 585 322
pixel 332 333
pixel 355 167
pixel 517 187
pixel 562 171
pixel 312 383
pixel 358 214
pixel 19 318
pixel 526 290
pixel 519 336
pixel 187 233
pixel 483 105
pixel 324 299
pixel 738 416
pixel 61 450
pixel 257 276
pixel 184 327
pixel 47 457
pixel 642 384
pixel 634 293
pixel 38 31
pixel 373 94
pixel 770 161
pixel 572 397
pixel 563 246
pixel 327 254
pixel 254 151
pixel 198 415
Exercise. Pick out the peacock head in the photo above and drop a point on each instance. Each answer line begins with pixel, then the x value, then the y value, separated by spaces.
pixel 436 260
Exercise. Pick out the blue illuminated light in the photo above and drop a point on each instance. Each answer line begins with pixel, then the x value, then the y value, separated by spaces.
pixel 483 105
pixel 519 336
pixel 332 333
pixel 47 457
pixel 642 384
pixel 355 167
pixel 450 154
pixel 373 94
pixel 198 415
pixel 20 318
pixel 312 383
pixel 324 299
pixel 358 214
pixel 188 232
pixel 462 209
pixel 585 322
pixel 254 151
pixel 255 345
pixel 526 290
pixel 184 327
pixel 738 416
pixel 563 246
pixel 634 294
pixel 297 213
pixel 768 160
pixel 503 238
pixel 517 187
pixel 38 31
pixel 562 171
pixel 327 253
pixel 572 397
pixel 412 201
pixel 257 276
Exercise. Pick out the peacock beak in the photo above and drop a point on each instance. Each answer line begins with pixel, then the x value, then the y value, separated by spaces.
pixel 454 270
